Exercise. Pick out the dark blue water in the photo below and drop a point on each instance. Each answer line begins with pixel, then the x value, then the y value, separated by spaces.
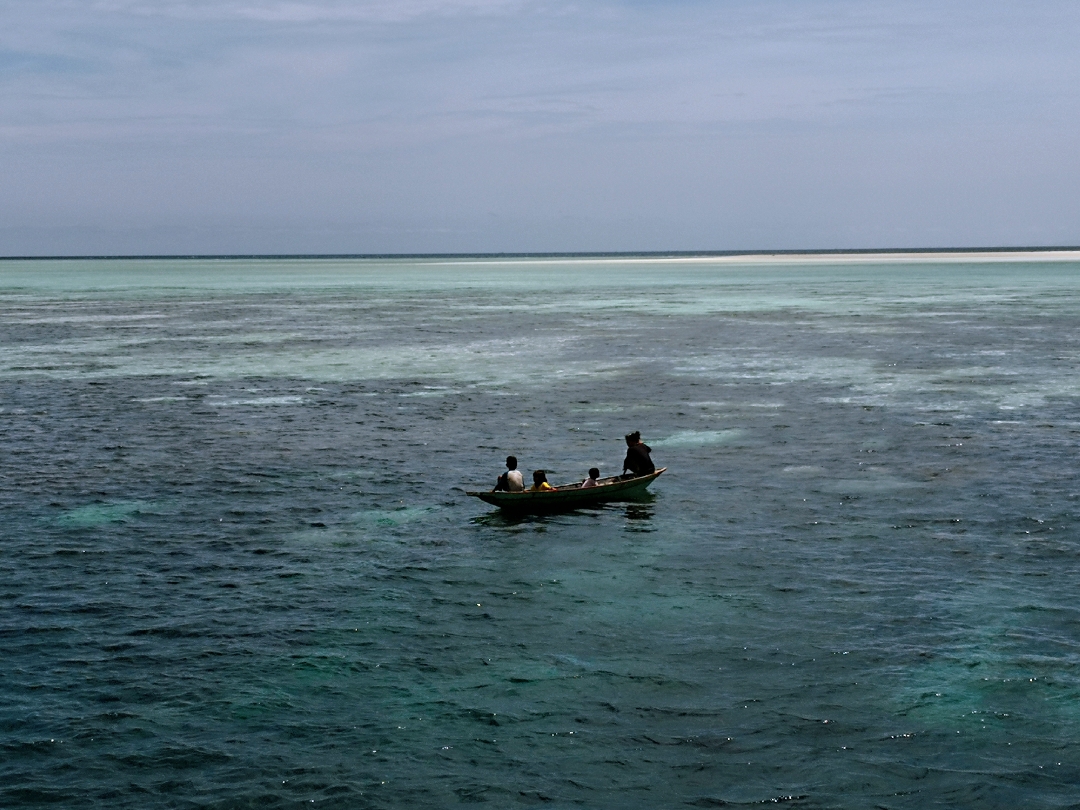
pixel 238 567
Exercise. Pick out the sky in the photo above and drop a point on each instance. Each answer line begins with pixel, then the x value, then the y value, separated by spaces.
pixel 430 126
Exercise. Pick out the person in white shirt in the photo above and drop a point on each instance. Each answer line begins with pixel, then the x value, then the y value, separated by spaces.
pixel 511 480
pixel 594 473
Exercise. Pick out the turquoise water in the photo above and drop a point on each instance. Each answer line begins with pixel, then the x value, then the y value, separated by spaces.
pixel 239 568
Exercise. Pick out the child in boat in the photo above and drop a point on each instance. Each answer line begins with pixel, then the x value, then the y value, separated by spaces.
pixel 594 473
pixel 540 483
pixel 511 480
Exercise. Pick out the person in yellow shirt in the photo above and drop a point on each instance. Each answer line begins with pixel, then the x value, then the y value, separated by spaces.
pixel 540 483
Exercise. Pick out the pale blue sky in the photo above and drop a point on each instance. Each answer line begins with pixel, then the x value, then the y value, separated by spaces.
pixel 249 126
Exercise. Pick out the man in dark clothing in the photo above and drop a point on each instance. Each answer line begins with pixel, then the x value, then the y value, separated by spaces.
pixel 637 458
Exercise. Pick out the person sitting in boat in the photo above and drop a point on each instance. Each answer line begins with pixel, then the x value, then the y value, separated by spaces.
pixel 637 460
pixel 594 473
pixel 511 480
pixel 540 482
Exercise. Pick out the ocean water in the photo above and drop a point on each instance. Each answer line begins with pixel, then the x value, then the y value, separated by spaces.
pixel 238 567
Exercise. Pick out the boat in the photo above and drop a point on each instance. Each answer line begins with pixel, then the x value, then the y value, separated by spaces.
pixel 570 496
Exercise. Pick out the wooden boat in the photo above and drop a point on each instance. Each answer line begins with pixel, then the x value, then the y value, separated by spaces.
pixel 570 496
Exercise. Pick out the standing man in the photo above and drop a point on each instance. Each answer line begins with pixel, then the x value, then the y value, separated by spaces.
pixel 511 480
pixel 637 461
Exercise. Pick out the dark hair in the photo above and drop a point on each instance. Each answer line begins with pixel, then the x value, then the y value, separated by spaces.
pixel 633 438
pixel 594 472
pixel 538 476
pixel 511 462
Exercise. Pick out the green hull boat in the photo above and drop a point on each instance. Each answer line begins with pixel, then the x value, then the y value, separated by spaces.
pixel 570 496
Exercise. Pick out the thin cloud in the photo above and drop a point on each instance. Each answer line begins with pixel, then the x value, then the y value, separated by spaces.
pixel 368 11
pixel 785 122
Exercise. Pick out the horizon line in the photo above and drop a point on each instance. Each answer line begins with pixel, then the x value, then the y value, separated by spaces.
pixel 704 254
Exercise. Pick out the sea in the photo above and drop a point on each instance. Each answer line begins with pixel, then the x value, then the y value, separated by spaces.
pixel 239 567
